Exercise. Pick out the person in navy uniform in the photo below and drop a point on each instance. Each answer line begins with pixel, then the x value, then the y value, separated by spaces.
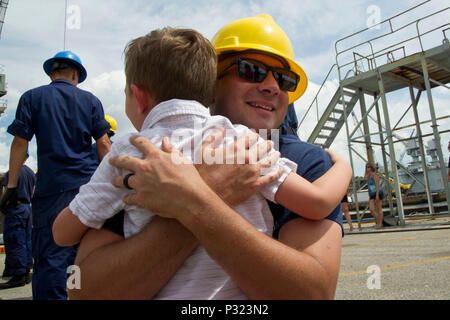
pixel 17 230
pixel 112 131
pixel 64 120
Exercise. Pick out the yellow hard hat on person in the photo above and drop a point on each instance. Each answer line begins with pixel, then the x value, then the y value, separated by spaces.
pixel 260 33
pixel 112 122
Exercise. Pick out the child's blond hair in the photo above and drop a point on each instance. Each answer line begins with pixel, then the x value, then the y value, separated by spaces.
pixel 173 63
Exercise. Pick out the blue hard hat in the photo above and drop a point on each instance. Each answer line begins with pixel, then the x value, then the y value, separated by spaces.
pixel 70 57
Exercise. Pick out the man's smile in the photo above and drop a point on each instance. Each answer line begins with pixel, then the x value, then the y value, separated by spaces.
pixel 260 105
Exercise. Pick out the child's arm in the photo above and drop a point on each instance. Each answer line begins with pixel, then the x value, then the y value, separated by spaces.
pixel 318 199
pixel 68 229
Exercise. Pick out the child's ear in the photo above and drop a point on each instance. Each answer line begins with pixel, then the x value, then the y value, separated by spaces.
pixel 142 97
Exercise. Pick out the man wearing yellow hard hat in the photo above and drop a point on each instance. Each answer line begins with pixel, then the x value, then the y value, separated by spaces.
pixel 257 79
pixel 112 131
pixel 112 124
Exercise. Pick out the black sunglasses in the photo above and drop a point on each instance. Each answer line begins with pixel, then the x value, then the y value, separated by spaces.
pixel 256 71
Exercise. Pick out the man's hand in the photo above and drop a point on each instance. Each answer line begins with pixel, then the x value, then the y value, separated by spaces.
pixel 236 181
pixel 162 185
pixel 10 198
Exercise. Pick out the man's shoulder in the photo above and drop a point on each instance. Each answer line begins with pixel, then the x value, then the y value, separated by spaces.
pixel 301 149
pixel 68 87
pixel 86 93
pixel 37 90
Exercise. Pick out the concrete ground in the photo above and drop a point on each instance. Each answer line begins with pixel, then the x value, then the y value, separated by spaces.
pixel 21 293
pixel 395 263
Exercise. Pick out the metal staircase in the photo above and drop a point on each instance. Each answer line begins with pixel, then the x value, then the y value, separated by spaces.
pixel 334 117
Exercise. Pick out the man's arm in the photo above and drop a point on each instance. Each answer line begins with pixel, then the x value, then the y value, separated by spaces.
pixel 322 242
pixel 103 146
pixel 135 268
pixel 303 267
pixel 17 156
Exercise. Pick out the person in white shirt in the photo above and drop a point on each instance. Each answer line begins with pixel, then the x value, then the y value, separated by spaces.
pixel 170 77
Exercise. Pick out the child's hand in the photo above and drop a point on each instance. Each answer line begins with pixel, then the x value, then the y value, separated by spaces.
pixel 234 182
pixel 333 156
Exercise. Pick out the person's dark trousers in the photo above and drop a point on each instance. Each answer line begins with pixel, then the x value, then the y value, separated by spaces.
pixel 51 261
pixel 17 239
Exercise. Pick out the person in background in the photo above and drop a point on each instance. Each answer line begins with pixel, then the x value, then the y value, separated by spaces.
pixel 375 194
pixel 113 126
pixel 112 131
pixel 17 229
pixel 345 210
pixel 64 120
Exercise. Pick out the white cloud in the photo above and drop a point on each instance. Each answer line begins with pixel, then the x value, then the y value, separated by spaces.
pixel 109 88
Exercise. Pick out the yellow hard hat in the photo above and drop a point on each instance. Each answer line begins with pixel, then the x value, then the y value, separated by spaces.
pixel 112 122
pixel 260 33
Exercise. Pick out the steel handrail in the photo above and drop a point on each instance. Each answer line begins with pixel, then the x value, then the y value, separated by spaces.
pixel 317 95
pixel 392 31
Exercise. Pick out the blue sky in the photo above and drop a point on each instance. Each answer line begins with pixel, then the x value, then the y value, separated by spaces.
pixel 98 31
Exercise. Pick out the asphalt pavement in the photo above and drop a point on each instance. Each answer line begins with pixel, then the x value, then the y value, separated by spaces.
pixel 410 262
pixel 396 264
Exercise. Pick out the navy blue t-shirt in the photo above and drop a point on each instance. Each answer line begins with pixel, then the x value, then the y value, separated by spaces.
pixel 312 162
pixel 290 121
pixel 64 119
pixel 25 184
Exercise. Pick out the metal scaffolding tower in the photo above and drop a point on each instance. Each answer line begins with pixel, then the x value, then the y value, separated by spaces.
pixel 364 70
